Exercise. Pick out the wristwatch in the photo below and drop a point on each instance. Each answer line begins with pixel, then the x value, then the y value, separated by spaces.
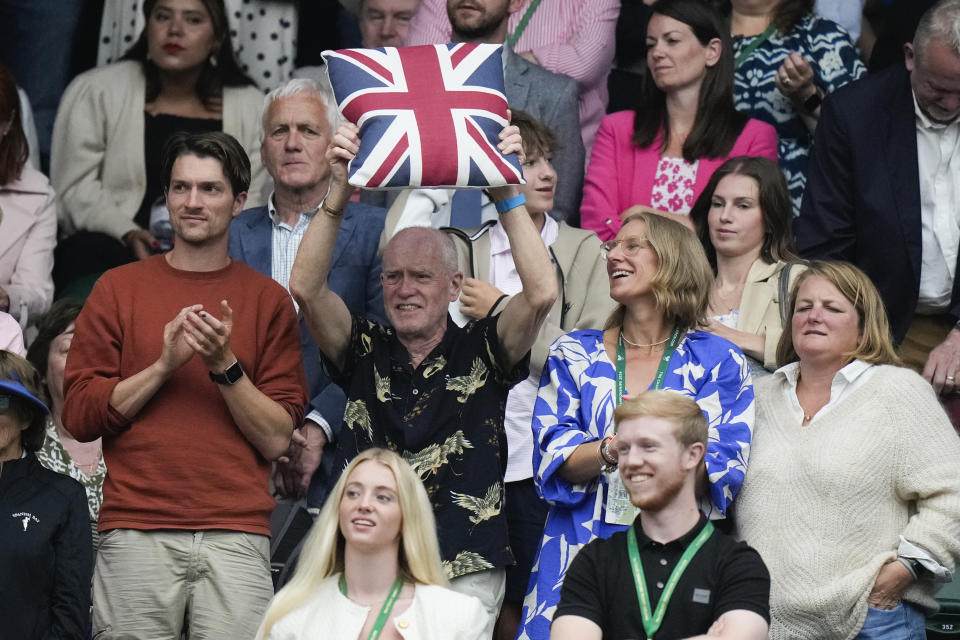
pixel 230 375
pixel 812 103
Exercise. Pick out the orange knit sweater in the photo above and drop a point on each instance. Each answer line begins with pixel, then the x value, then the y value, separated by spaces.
pixel 181 463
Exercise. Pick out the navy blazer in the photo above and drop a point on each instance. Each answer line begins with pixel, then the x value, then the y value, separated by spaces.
pixel 862 200
pixel 354 276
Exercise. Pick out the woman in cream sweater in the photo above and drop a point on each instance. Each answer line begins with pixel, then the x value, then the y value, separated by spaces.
pixel 853 494
pixel 113 122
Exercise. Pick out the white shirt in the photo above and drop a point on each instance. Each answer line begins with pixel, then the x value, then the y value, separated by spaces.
pixel 518 416
pixel 938 162
pixel 436 613
pixel 847 380
pixel 431 208
pixel 285 240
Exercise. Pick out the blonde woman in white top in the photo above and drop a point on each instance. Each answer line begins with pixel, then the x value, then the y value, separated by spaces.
pixel 371 566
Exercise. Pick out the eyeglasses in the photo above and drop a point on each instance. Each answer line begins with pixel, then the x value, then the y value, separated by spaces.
pixel 629 246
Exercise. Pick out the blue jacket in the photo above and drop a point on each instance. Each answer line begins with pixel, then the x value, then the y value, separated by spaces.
pixel 354 276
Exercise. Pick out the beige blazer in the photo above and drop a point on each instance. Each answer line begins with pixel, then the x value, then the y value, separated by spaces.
pixel 97 159
pixel 584 301
pixel 760 305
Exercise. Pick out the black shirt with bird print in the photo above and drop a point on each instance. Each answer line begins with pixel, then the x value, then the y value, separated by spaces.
pixel 445 417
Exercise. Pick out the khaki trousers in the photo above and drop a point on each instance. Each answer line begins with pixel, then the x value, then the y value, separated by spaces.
pixel 489 588
pixel 925 333
pixel 168 584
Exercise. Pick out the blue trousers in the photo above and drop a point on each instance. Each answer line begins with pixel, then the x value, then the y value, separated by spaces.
pixel 903 622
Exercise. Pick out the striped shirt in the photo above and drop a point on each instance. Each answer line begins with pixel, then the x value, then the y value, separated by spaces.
pixel 285 240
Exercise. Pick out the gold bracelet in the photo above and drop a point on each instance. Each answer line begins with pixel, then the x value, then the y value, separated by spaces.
pixel 331 212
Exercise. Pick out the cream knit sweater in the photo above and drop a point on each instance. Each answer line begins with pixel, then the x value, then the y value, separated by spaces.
pixel 825 504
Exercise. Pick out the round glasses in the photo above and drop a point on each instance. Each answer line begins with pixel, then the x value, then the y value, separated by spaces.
pixel 628 246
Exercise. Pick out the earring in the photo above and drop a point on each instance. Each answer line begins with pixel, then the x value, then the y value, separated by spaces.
pixel 213 60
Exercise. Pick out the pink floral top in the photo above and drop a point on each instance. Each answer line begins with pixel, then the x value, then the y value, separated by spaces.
pixel 673 185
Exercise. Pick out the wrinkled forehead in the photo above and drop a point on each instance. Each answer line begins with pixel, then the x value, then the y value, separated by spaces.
pixel 414 249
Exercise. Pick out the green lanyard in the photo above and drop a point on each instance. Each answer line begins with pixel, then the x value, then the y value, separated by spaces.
pixel 652 621
pixel 661 371
pixel 513 37
pixel 745 53
pixel 384 614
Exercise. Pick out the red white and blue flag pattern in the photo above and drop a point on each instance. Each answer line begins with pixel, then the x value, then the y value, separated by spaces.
pixel 429 116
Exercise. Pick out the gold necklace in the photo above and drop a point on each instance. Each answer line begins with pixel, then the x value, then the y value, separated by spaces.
pixel 642 346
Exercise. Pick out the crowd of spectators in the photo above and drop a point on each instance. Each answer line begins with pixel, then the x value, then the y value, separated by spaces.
pixel 698 377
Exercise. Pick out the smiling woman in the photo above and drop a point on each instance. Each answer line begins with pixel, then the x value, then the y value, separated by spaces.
pixel 371 562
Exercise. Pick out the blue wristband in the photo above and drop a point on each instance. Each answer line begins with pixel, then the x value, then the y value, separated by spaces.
pixel 510 203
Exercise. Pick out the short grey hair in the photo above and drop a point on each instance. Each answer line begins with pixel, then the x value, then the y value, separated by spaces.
pixel 940 22
pixel 319 86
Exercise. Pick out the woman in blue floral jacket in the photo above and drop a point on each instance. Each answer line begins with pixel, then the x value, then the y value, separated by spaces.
pixel 661 279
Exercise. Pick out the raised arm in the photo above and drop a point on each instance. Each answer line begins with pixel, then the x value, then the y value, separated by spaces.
pixel 520 321
pixel 325 312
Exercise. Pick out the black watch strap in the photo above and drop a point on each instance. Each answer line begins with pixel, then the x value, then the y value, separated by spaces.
pixel 810 104
pixel 230 375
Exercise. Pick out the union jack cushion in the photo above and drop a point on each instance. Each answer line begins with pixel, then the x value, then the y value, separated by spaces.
pixel 429 116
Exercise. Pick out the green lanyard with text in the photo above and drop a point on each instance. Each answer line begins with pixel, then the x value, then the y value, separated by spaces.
pixel 652 621
pixel 384 614
pixel 746 51
pixel 661 371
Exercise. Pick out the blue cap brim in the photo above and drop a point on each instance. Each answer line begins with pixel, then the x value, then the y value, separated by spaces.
pixel 12 388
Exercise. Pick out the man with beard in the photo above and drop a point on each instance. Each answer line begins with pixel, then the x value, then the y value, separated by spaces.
pixel 549 97
pixel 671 574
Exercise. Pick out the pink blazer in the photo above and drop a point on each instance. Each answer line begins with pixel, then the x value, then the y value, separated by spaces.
pixel 620 173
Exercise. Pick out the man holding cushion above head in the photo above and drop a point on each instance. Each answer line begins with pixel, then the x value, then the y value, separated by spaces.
pixel 427 388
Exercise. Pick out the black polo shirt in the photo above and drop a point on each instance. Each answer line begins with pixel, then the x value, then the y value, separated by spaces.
pixel 725 575
pixel 446 419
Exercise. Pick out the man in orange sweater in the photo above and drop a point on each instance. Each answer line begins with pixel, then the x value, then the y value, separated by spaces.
pixel 188 365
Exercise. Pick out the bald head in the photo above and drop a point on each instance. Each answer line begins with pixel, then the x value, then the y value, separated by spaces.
pixel 427 241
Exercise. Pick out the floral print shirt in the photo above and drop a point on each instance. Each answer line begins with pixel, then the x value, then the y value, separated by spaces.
pixel 55 457
pixel 835 62
pixel 445 417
